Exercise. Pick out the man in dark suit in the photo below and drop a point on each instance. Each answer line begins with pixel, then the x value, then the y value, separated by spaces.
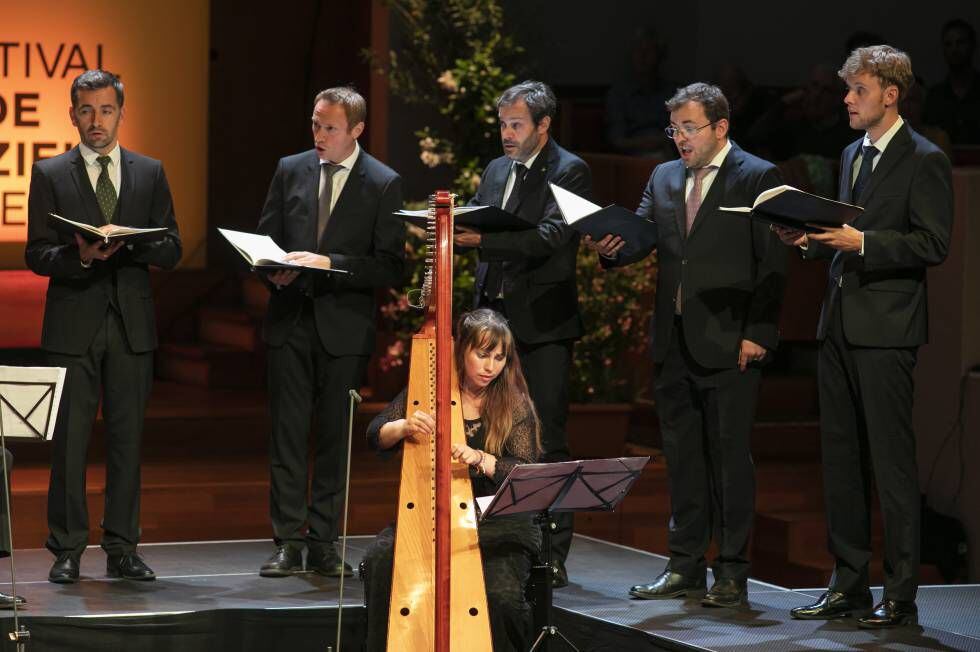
pixel 99 321
pixel 874 318
pixel 719 290
pixel 330 207
pixel 529 276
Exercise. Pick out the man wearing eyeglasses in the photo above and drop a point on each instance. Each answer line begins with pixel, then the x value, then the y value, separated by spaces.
pixel 719 291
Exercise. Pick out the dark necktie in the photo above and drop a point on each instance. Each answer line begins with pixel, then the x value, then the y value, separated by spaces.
pixel 327 170
pixel 520 171
pixel 494 282
pixel 105 192
pixel 868 154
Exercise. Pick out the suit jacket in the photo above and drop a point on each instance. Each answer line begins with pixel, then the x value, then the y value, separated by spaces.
pixel 362 237
pixel 732 270
pixel 907 219
pixel 77 298
pixel 540 294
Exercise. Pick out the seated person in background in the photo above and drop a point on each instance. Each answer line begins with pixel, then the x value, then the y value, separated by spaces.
pixel 806 120
pixel 635 114
pixel 746 101
pixel 954 104
pixel 502 430
pixel 910 107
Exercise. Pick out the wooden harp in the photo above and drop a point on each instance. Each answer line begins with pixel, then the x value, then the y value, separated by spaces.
pixel 438 595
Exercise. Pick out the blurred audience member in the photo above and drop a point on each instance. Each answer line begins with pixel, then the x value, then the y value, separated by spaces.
pixel 954 103
pixel 910 108
pixel 807 120
pixel 635 111
pixel 747 102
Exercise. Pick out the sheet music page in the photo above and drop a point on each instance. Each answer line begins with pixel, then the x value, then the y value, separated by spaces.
pixel 572 207
pixel 29 400
pixel 254 247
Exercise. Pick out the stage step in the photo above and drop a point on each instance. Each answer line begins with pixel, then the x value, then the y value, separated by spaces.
pixel 255 296
pixel 210 365
pixel 228 326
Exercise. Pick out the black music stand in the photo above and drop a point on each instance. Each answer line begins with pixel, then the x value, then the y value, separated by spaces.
pixel 29 402
pixel 545 489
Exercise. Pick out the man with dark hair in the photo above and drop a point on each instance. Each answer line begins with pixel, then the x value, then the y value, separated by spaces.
pixel 954 103
pixel 719 292
pixel 529 276
pixel 330 207
pixel 99 321
pixel 874 318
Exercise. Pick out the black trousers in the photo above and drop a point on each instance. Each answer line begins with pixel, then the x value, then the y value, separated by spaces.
pixel 866 433
pixel 308 387
pixel 706 420
pixel 122 379
pixel 546 368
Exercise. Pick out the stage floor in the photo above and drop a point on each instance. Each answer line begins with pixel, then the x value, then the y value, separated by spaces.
pixel 594 610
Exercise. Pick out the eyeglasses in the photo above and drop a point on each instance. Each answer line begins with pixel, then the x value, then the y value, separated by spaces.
pixel 687 130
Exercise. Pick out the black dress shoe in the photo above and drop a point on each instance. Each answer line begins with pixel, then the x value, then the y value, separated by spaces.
pixel 64 570
pixel 891 613
pixel 286 561
pixel 7 601
pixel 324 560
pixel 726 592
pixel 833 604
pixel 669 585
pixel 128 566
pixel 559 578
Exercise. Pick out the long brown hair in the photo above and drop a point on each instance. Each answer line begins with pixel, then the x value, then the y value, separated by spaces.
pixel 507 400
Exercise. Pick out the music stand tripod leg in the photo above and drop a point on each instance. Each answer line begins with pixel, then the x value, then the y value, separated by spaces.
pixel 19 634
pixel 546 592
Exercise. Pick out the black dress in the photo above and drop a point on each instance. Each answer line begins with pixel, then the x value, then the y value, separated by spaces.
pixel 508 545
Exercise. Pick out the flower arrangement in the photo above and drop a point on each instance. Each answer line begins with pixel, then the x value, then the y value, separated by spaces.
pixel 611 362
pixel 459 57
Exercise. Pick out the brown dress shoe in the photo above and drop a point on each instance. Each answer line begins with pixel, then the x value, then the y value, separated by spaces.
pixel 726 592
pixel 833 604
pixel 891 613
pixel 669 585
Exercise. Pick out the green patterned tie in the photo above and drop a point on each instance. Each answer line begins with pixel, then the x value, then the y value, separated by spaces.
pixel 105 192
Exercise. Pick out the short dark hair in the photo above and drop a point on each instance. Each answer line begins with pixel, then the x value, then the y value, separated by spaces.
pixel 707 95
pixel 93 80
pixel 540 99
pixel 959 23
pixel 353 102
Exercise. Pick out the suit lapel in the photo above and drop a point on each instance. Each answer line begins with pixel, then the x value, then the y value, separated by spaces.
pixel 536 173
pixel 93 214
pixel 895 152
pixel 678 187
pixel 348 196
pixel 311 183
pixel 711 201
pixel 127 183
pixel 847 172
